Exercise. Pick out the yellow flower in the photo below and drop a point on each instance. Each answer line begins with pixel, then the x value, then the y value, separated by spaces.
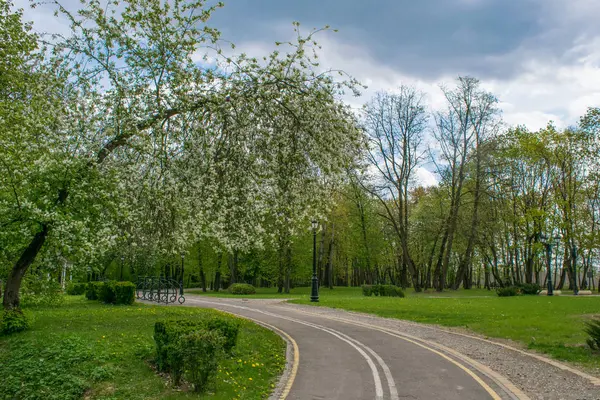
pixel 249 379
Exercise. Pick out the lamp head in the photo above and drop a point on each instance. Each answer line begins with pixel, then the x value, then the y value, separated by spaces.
pixel 314 224
pixel 557 238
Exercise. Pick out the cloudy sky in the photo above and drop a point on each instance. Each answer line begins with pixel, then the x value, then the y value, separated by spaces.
pixel 540 57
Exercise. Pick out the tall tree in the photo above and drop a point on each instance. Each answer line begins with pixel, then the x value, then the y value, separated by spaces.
pixel 395 123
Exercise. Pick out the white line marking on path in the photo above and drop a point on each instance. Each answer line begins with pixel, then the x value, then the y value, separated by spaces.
pixel 352 342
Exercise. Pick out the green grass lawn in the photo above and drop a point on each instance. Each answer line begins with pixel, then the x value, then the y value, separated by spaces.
pixel 552 325
pixel 84 349
pixel 338 291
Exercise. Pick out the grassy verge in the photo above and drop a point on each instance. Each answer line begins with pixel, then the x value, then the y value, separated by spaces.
pixel 339 291
pixel 84 349
pixel 552 325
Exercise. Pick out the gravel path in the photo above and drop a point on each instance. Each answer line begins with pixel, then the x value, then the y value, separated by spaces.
pixel 537 378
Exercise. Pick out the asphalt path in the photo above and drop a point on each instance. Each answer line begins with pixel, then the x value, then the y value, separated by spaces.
pixel 335 358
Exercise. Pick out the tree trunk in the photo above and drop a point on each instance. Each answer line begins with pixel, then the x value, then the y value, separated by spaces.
pixel 13 283
pixel 201 268
pixel 218 273
pixel 330 258
pixel 321 251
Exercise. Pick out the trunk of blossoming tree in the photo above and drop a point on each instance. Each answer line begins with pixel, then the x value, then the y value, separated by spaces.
pixel 13 283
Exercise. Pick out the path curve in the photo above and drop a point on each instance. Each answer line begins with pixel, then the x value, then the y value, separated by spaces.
pixel 341 359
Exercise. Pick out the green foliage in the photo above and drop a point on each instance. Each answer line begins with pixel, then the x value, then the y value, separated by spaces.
pixel 529 288
pixel 168 335
pixel 40 291
pixel 228 328
pixel 507 291
pixel 389 291
pixel 592 328
pixel 242 288
pixel 106 292
pixel 76 289
pixel 124 292
pixel 202 356
pixel 92 290
pixel 86 349
pixel 111 292
pixel 13 321
pixel 382 290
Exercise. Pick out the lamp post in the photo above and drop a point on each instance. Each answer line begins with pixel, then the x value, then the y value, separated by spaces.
pixel 314 295
pixel 548 243
pixel 182 270
pixel 122 261
pixel 574 260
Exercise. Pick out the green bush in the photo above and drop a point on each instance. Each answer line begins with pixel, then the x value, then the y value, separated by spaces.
pixel 203 352
pixel 169 334
pixel 75 289
pixel 508 291
pixel 592 328
pixel 241 288
pixel 227 328
pixel 111 292
pixel 166 336
pixel 13 321
pixel 106 292
pixel 124 292
pixel 92 290
pixel 529 288
pixel 390 291
pixel 382 290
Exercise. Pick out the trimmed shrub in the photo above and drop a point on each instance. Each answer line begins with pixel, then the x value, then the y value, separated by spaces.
pixel 124 292
pixel 76 289
pixel 168 336
pixel 201 358
pixel 529 288
pixel 92 290
pixel 390 291
pixel 227 328
pixel 106 292
pixel 111 292
pixel 13 321
pixel 241 288
pixel 592 328
pixel 507 291
pixel 382 290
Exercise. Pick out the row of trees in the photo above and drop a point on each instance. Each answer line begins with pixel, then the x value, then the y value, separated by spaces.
pixel 138 139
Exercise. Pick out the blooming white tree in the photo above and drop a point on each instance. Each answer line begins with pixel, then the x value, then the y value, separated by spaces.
pixel 135 141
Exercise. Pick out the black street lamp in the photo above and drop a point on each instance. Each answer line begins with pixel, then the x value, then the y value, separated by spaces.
pixel 122 261
pixel 574 260
pixel 548 243
pixel 314 295
pixel 182 270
